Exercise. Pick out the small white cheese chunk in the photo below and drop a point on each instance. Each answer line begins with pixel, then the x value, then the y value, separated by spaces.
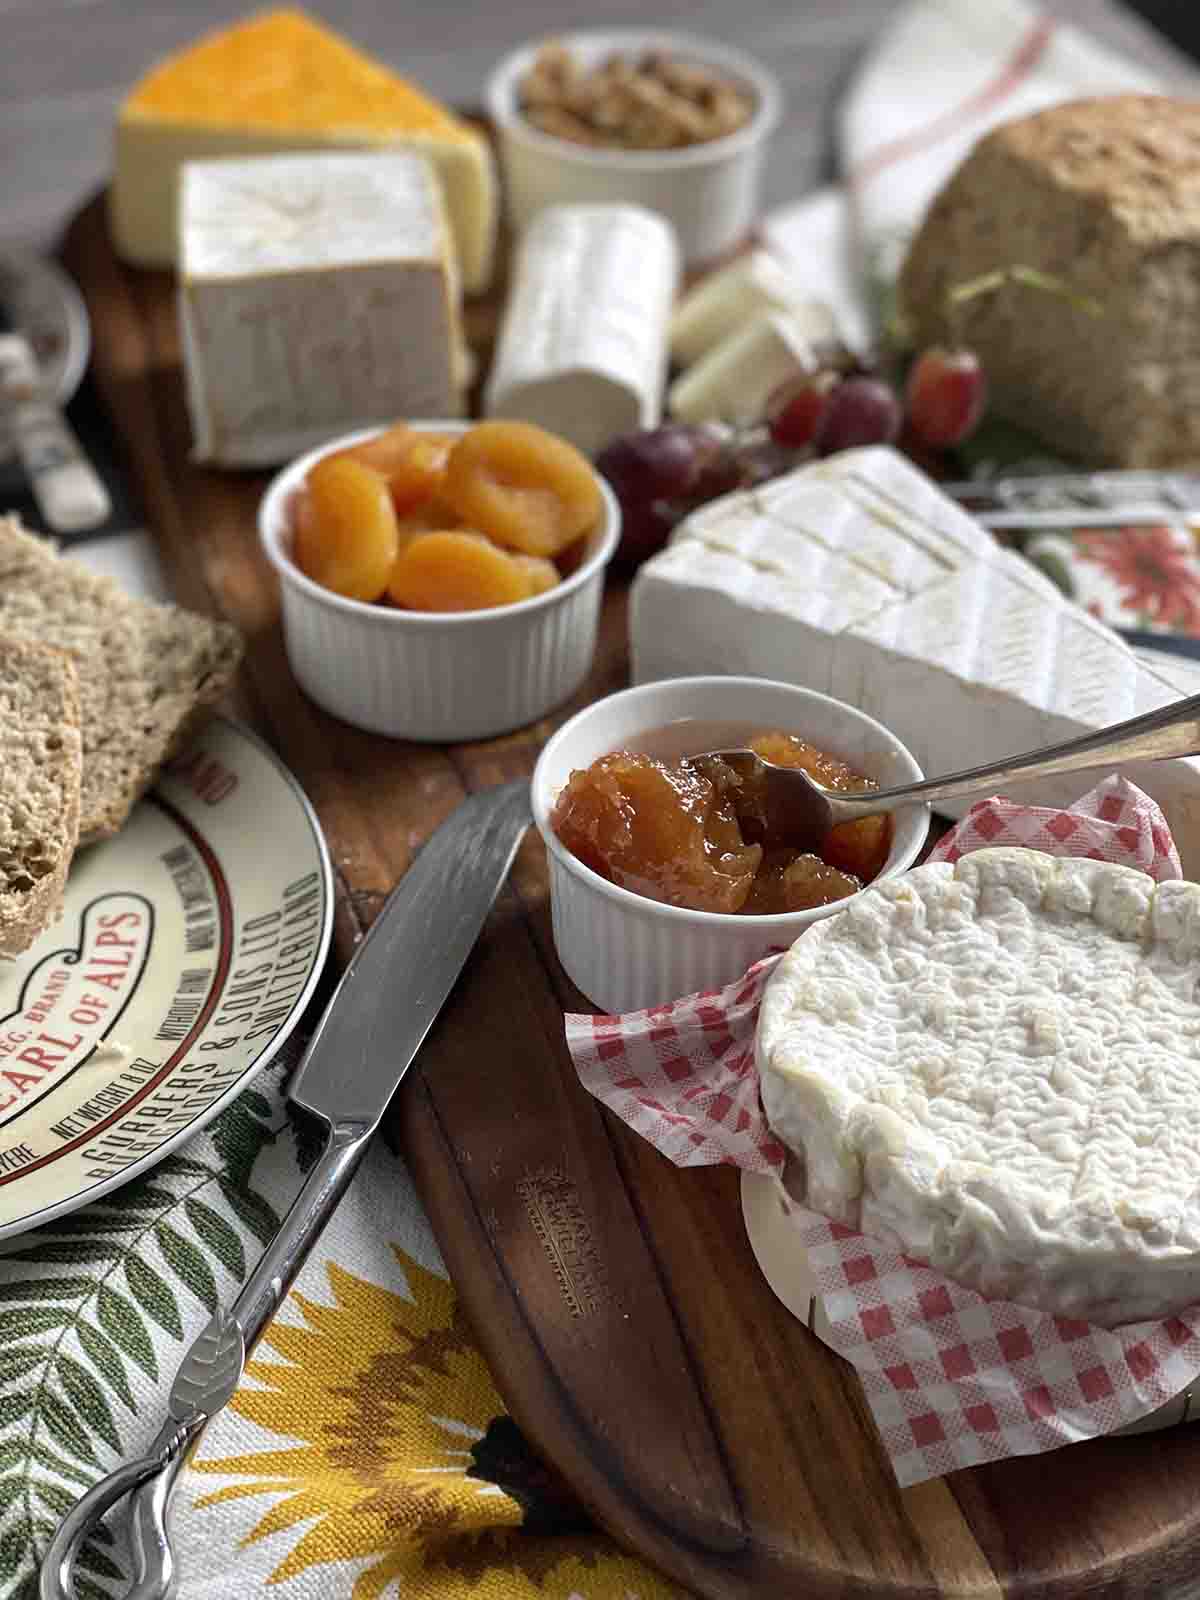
pixel 733 381
pixel 583 347
pixel 995 1067
pixel 318 293
pixel 726 300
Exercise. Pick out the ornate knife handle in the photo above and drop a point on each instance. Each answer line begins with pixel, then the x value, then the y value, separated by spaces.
pixel 206 1380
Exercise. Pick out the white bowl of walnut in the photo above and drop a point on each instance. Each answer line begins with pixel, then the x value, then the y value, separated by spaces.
pixel 665 120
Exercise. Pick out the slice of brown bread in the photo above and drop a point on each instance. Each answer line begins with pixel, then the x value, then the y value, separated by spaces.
pixel 41 761
pixel 1103 195
pixel 147 672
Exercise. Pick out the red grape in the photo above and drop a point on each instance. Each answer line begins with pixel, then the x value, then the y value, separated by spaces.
pixel 645 528
pixel 654 463
pixel 860 411
pixel 796 409
pixel 719 469
pixel 945 396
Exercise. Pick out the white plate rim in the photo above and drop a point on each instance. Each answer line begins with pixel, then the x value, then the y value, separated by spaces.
pixel 137 1168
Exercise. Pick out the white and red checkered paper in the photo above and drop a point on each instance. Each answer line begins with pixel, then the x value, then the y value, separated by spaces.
pixel 952 1379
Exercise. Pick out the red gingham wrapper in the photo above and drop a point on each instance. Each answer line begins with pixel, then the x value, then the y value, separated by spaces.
pixel 952 1379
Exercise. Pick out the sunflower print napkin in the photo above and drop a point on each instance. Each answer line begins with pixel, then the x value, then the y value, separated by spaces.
pixel 367 1452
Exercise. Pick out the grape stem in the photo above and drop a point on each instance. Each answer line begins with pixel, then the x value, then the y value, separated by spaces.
pixel 1032 278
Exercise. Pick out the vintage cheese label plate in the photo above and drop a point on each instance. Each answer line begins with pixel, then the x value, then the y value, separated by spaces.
pixel 188 946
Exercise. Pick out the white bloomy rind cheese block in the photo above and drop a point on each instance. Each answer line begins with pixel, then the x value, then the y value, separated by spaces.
pixel 583 348
pixel 994 1067
pixel 857 577
pixel 317 294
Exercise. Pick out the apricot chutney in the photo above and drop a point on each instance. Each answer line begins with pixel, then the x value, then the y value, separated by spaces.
pixel 664 830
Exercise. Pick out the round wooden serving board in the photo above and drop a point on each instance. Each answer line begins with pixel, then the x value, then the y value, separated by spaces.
pixel 616 1296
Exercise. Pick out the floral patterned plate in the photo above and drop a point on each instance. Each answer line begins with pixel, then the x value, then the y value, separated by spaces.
pixel 188 947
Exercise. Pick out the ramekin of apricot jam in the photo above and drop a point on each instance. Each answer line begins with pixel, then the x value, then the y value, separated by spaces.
pixel 440 580
pixel 664 880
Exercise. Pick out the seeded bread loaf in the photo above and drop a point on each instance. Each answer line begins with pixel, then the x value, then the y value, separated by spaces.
pixel 146 671
pixel 40 756
pixel 1104 195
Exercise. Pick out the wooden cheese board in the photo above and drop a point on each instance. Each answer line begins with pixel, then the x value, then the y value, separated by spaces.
pixel 615 1296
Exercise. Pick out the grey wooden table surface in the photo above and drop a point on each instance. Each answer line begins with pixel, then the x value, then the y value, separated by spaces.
pixel 64 65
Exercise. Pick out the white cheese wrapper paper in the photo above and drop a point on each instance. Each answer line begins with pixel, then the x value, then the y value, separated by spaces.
pixel 952 1379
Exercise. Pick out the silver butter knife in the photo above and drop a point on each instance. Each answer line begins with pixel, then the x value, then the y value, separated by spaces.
pixel 65 485
pixel 367 1038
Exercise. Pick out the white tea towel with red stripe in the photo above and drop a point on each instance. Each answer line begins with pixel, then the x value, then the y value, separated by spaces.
pixel 952 1378
pixel 939 76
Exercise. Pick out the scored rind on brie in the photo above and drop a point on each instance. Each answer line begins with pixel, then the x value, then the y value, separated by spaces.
pixel 963 649
pixel 994 1067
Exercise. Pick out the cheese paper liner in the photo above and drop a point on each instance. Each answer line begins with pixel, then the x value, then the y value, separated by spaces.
pixel 952 1378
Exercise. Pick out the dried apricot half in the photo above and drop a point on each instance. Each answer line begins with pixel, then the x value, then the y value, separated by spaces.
pixel 540 574
pixel 419 472
pixel 344 528
pixel 522 486
pixel 383 452
pixel 455 570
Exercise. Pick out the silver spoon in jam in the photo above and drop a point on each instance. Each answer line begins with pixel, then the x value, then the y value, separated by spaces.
pixel 801 809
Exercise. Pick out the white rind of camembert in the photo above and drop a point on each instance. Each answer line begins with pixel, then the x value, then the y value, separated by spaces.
pixel 994 1067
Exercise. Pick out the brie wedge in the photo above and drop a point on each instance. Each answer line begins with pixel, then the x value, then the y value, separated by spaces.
pixel 280 82
pixel 317 295
pixel 583 347
pixel 994 1067
pixel 858 577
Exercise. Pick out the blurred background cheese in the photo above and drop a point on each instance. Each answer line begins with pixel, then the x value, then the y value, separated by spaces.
pixel 733 380
pixel 281 82
pixel 722 303
pixel 316 295
pixel 583 347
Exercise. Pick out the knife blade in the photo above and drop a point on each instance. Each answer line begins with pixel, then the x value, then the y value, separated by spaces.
pixel 446 894
pixel 368 1036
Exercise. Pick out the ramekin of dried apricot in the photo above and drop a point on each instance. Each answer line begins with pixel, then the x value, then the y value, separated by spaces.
pixel 440 580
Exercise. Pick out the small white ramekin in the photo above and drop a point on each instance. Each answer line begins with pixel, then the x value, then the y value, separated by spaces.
pixel 445 676
pixel 709 192
pixel 625 951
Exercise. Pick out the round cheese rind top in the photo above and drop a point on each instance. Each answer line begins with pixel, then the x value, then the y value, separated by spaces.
pixel 995 1067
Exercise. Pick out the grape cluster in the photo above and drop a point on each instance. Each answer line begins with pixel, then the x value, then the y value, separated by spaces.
pixel 661 474
pixel 943 401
